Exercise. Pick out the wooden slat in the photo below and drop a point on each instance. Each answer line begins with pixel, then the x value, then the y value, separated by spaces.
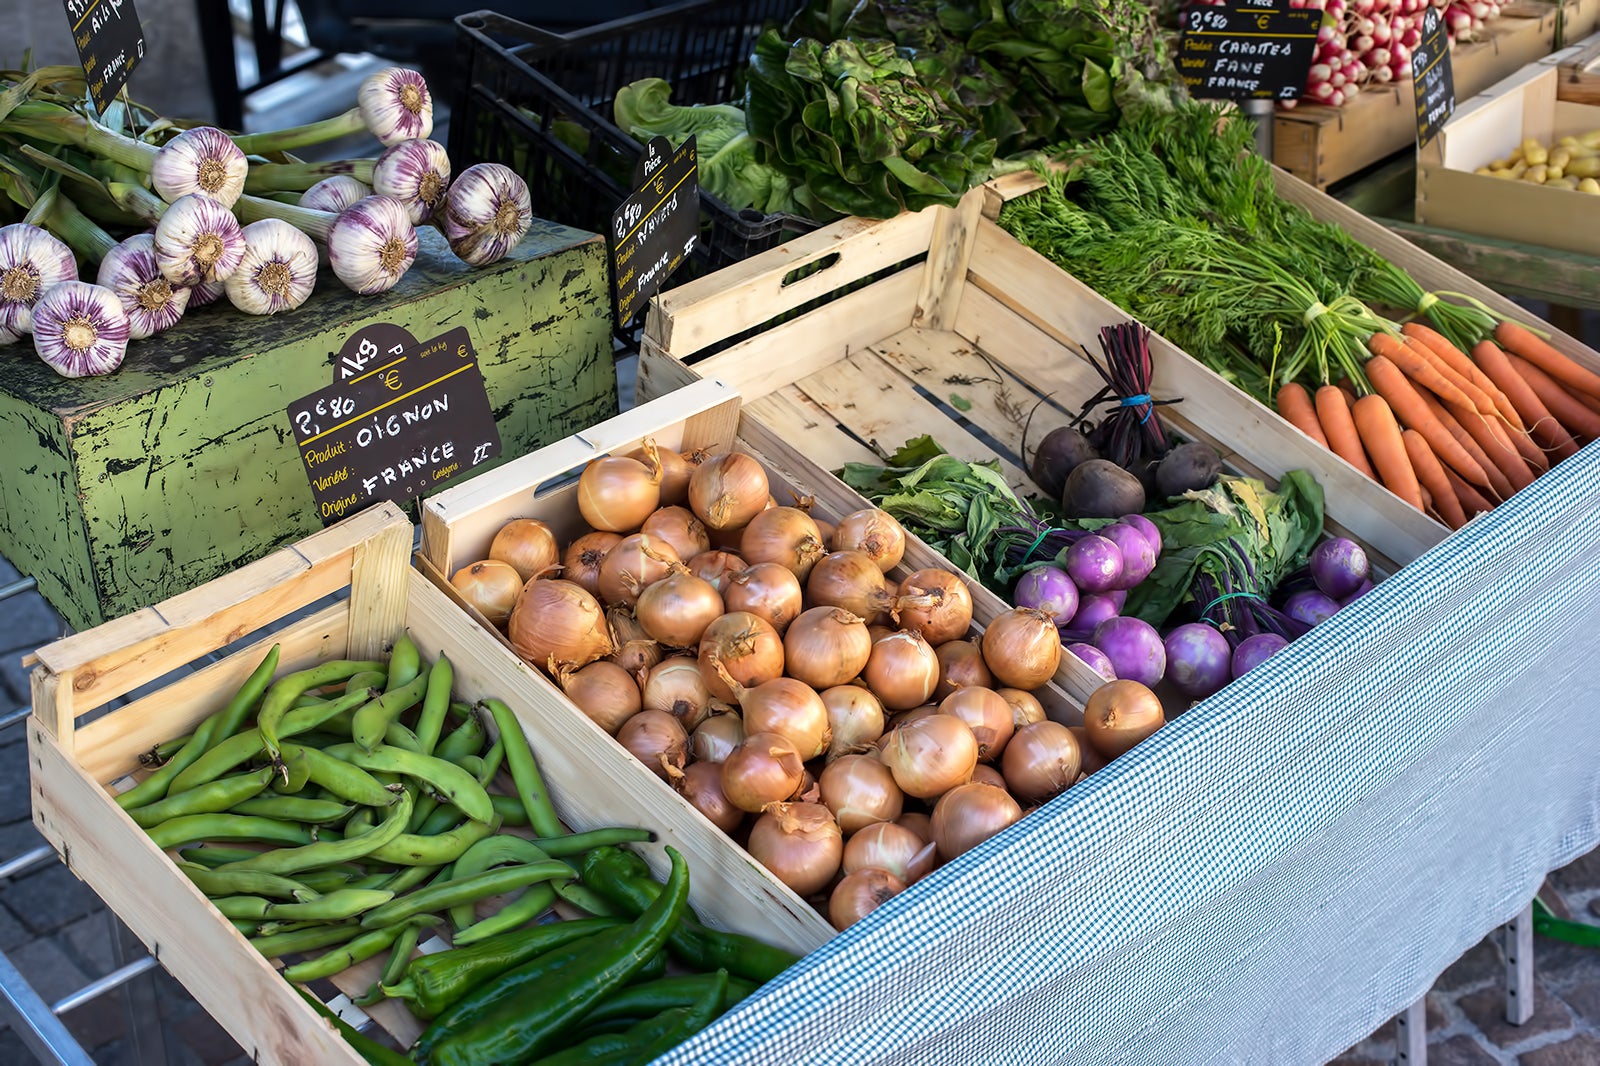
pixel 944 275
pixel 378 591
pixel 228 977
pixel 871 397
pixel 688 318
pixel 116 658
pixel 791 413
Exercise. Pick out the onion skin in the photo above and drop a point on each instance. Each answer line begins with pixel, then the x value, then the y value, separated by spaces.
pixel 855 716
pixel 874 533
pixel 605 692
pixel 937 604
pixel 765 590
pixel 637 562
pixel 580 563
pixel 1022 648
pixel 931 755
pixel 902 671
pixel 783 535
pixel 826 646
pixel 860 791
pixel 1041 762
pixel 680 528
pixel 861 893
pixel 987 714
pixel 675 471
pixel 616 493
pixel 1119 714
pixel 800 843
pixel 765 769
pixel 717 567
pixel 658 740
pixel 852 581
pixel 966 816
pixel 677 609
pixel 675 686
pixel 556 623
pixel 490 586
pixel 918 823
pixel 701 785
pixel 790 709
pixel 903 850
pixel 527 544
pixel 983 774
pixel 745 646
pixel 727 491
pixel 1092 760
pixel 715 738
pixel 1025 706
pixel 961 665
pixel 635 651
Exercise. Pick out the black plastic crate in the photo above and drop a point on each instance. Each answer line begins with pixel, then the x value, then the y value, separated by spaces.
pixel 540 103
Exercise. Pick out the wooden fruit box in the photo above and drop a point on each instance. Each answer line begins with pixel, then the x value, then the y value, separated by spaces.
pixel 962 346
pixel 75 763
pixel 1322 145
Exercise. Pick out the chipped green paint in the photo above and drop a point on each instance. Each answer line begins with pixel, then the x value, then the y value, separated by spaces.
pixel 121 491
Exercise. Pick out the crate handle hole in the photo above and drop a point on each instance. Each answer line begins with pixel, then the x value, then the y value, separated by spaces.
pixel 806 270
pixel 559 482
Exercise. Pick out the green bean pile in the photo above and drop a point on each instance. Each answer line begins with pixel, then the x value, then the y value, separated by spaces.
pixel 354 816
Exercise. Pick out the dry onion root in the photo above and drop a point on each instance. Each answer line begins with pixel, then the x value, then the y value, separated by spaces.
pixel 658 740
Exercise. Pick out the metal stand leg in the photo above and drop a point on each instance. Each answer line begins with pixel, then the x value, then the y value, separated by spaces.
pixel 1411 1035
pixel 1519 967
pixel 33 1021
pixel 1261 113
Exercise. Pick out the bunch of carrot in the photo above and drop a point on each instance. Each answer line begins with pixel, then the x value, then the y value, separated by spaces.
pixel 1450 434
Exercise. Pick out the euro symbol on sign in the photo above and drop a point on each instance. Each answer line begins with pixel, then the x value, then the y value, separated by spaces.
pixel 391 380
pixel 1261 22
pixel 461 351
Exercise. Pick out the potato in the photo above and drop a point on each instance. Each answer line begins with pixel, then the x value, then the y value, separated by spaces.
pixel 1520 169
pixel 1536 175
pixel 1515 157
pixel 1534 152
pixel 1559 158
pixel 1584 168
pixel 1590 186
pixel 1567 141
pixel 1504 175
pixel 1567 182
pixel 1590 139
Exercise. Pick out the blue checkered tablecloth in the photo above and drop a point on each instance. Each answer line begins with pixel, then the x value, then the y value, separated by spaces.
pixel 1276 872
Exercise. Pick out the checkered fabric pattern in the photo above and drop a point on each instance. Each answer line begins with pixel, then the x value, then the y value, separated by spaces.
pixel 1280 869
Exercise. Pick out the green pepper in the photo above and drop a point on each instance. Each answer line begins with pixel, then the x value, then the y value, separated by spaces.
pixel 436 982
pixel 651 998
pixel 612 874
pixel 525 1012
pixel 647 1039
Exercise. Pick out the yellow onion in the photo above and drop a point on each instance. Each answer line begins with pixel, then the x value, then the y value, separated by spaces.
pixel 987 714
pixel 855 716
pixel 765 590
pixel 675 471
pixel 1119 714
pixel 783 535
pixel 983 774
pixel 860 790
pixel 680 528
pixel 1022 648
pixel 527 544
pixel 658 740
pixel 917 822
pixel 852 581
pixel 556 623
pixel 1041 762
pixel 580 563
pixel 1025 706
pixel 1092 760
pixel 931 755
pixel 826 646
pixel 701 785
pixel 636 562
pixel 800 843
pixel 874 533
pixel 490 586
pixel 715 738
pixel 786 707
pixel 894 847
pixel 859 894
pixel 765 769
pixel 616 493
pixel 675 686
pixel 961 665
pixel 968 815
pixel 717 567
pixel 902 671
pixel 728 490
pixel 937 604
pixel 603 691
pixel 826 528
pixel 677 609
pixel 635 651
pixel 745 646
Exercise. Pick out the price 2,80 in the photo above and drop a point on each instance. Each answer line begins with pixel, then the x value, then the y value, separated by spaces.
pixel 1208 20
pixel 336 408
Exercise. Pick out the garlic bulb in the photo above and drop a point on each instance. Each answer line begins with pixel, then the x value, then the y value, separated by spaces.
pixel 277 272
pixel 395 105
pixel 334 194
pixel 198 240
pixel 80 329
pixel 32 261
pixel 487 212
pixel 206 292
pixel 130 270
pixel 203 160
pixel 417 173
pixel 372 244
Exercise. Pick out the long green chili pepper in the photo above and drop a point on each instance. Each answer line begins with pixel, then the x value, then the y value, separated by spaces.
pixel 523 1013
pixel 654 1037
pixel 332 852
pixel 651 998
pixel 213 798
pixel 435 703
pixel 372 720
pixel 156 785
pixel 524 771
pixel 281 696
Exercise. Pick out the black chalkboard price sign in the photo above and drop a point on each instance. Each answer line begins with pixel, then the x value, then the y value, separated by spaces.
pixel 1432 80
pixel 1248 50
pixel 110 44
pixel 402 428
pixel 655 229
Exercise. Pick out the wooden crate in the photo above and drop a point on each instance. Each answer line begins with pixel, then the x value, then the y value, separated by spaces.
pixel 983 322
pixel 74 763
pixel 1580 81
pixel 1322 145
pixel 122 490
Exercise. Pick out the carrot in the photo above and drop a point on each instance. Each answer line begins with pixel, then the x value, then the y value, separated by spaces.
pixel 1294 404
pixel 1591 402
pixel 1519 442
pixel 1518 341
pixel 1381 434
pixel 1464 371
pixel 1472 501
pixel 1417 365
pixel 1541 423
pixel 1333 411
pixel 1584 423
pixel 1498 483
pixel 1430 472
pixel 1408 404
pixel 1501 452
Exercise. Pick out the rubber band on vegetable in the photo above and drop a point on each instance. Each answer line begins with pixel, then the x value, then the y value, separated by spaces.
pixel 1228 596
pixel 1316 310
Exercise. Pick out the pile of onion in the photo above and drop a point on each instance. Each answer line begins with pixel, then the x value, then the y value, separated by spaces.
pixel 787 674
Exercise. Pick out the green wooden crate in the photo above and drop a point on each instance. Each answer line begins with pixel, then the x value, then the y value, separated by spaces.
pixel 120 491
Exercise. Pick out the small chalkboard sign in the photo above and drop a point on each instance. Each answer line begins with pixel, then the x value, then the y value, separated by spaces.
pixel 110 44
pixel 656 228
pixel 1248 50
pixel 374 341
pixel 1432 80
pixel 404 427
